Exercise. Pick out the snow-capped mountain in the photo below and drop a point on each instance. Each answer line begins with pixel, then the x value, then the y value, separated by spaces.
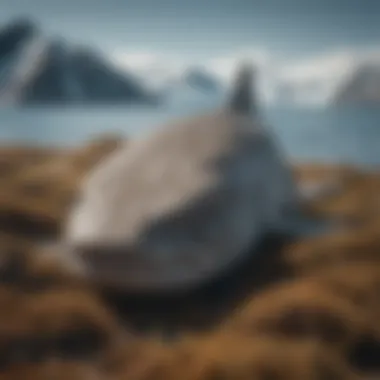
pixel 193 85
pixel 362 87
pixel 200 79
pixel 39 69
pixel 307 81
pixel 35 69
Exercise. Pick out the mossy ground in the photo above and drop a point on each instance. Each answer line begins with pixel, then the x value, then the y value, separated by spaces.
pixel 304 309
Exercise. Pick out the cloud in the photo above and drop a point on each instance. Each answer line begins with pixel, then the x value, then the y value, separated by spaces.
pixel 312 79
pixel 224 66
pixel 155 69
pixel 320 67
pixel 317 78
pixel 154 63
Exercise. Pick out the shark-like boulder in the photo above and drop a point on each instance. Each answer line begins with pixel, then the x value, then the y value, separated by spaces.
pixel 175 208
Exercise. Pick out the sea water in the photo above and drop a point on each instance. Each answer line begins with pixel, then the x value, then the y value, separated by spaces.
pixel 338 135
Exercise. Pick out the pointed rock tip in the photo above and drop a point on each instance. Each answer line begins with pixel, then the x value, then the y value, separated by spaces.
pixel 242 97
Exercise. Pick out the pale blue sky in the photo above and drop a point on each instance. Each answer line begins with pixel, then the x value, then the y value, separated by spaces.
pixel 203 27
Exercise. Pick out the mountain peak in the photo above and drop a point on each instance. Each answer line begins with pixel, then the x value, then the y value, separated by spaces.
pixel 15 32
pixel 200 78
pixel 51 70
pixel 363 86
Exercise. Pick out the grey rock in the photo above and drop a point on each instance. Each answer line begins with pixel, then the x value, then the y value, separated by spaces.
pixel 176 208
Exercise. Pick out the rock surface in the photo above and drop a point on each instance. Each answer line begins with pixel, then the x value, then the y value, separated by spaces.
pixel 178 207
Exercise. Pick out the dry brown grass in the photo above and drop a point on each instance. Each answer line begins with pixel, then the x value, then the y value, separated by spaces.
pixel 40 184
pixel 315 319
